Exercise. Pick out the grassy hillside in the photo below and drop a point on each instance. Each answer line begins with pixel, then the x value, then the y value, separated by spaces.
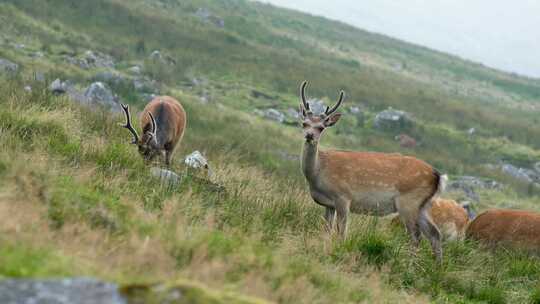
pixel 75 198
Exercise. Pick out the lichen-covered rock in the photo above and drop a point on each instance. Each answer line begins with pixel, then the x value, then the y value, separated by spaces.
pixel 166 176
pixel 99 94
pixel 392 119
pixel 274 115
pixel 8 67
pixel 61 291
pixel 196 161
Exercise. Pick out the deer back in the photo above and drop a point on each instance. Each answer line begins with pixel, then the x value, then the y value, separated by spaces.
pixel 513 228
pixel 170 119
pixel 360 171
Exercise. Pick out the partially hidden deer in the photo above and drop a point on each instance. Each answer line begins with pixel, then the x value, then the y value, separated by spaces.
pixel 163 122
pixel 516 229
pixel 450 217
pixel 367 182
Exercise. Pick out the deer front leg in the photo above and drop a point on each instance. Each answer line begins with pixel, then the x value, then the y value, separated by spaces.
pixel 342 212
pixel 168 156
pixel 329 216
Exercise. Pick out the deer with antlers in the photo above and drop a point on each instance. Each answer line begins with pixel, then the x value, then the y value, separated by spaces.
pixel 163 122
pixel 366 182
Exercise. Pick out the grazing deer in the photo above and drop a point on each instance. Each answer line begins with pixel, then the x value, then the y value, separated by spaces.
pixel 163 122
pixel 366 182
pixel 512 228
pixel 450 217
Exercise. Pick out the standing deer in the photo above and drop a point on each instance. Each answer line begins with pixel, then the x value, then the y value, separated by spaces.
pixel 366 182
pixel 163 122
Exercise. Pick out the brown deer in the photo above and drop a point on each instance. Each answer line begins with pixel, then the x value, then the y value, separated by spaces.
pixel 367 182
pixel 163 122
pixel 450 217
pixel 511 228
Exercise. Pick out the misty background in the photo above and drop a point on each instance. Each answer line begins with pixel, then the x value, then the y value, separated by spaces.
pixel 498 33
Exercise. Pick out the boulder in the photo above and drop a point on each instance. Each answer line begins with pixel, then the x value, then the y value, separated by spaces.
pixel 145 85
pixel 135 70
pixel 359 115
pixel 156 55
pixel 274 115
pixel 207 16
pixel 521 174
pixel 196 161
pixel 58 87
pixel 99 94
pixel 8 67
pixel 98 60
pixel 59 291
pixel 470 184
pixel 166 176
pixel 317 106
pixel 392 119
pixel 28 89
pixel 109 77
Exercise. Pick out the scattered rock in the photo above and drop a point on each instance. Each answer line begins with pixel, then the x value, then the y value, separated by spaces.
pixel 470 184
pixel 207 16
pixel 37 55
pixel 28 89
pixel 8 67
pixel 293 114
pixel 274 115
pixel 166 176
pixel 146 85
pixel 196 161
pixel 98 93
pixel 317 106
pixel 91 59
pixel 61 291
pixel 521 174
pixel 40 77
pixel 405 141
pixel 359 115
pixel 259 94
pixel 156 55
pixel 287 156
pixel 58 87
pixel 393 119
pixel 471 132
pixel 148 97
pixel 136 70
pixel 536 167
pixel 109 77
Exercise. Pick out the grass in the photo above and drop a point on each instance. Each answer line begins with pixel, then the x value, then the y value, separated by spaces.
pixel 76 199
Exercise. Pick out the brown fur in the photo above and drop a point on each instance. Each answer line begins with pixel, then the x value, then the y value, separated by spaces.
pixel 170 119
pixel 512 228
pixel 367 183
pixel 449 216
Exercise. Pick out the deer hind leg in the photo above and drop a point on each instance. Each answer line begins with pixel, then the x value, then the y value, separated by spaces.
pixel 329 216
pixel 430 231
pixel 409 216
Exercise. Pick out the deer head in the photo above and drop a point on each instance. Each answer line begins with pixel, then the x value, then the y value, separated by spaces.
pixel 314 125
pixel 148 143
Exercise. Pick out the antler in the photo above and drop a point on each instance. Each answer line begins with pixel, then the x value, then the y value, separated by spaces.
pixel 154 125
pixel 340 101
pixel 128 124
pixel 303 95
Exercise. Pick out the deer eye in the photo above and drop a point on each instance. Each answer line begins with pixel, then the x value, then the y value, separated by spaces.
pixel 305 125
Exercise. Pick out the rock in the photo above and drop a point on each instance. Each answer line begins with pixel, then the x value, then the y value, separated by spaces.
pixel 98 93
pixel 91 59
pixel 469 185
pixel 37 55
pixel 275 115
pixel 259 94
pixel 359 115
pixel 109 77
pixel 206 16
pixel 393 119
pixel 59 291
pixel 145 85
pixel 536 167
pixel 148 97
pixel 156 55
pixel 521 174
pixel 471 132
pixel 136 70
pixel 28 88
pixel 166 176
pixel 293 114
pixel 58 87
pixel 196 161
pixel 317 106
pixel 39 77
pixel 287 156
pixel 8 67
pixel 405 141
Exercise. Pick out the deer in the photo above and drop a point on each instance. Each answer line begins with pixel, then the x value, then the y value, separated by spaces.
pixel 516 229
pixel 163 122
pixel 367 182
pixel 450 217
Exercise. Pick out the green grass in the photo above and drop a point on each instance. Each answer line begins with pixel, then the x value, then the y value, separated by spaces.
pixel 74 192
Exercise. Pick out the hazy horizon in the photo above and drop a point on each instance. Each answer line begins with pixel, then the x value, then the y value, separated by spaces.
pixel 498 34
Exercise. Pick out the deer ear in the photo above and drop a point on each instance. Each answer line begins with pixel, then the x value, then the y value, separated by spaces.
pixel 332 119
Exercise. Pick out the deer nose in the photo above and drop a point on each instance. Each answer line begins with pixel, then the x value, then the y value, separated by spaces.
pixel 309 136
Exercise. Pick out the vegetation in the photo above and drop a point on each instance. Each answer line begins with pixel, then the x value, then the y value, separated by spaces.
pixel 75 198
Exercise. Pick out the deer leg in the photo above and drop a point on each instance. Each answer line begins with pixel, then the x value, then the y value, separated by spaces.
pixel 168 157
pixel 342 212
pixel 329 216
pixel 410 219
pixel 430 231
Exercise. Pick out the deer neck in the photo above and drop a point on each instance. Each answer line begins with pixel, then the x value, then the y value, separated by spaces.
pixel 310 160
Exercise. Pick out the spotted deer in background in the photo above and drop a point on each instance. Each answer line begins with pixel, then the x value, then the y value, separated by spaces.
pixel 163 122
pixel 367 182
